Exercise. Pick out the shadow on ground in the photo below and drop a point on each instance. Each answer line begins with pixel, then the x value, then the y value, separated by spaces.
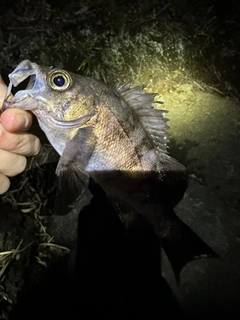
pixel 117 275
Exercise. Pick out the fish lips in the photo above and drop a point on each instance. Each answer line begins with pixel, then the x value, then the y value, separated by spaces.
pixel 23 99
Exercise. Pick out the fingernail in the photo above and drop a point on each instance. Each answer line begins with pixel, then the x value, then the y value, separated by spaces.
pixel 22 120
pixel 26 121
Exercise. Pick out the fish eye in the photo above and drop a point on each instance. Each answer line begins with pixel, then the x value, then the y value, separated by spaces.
pixel 59 80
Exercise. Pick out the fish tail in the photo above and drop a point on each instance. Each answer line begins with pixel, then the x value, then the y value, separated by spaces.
pixel 183 245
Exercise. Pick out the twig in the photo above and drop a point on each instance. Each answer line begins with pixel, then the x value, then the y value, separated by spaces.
pixel 55 246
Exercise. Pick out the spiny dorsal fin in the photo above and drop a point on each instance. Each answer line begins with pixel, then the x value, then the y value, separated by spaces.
pixel 153 121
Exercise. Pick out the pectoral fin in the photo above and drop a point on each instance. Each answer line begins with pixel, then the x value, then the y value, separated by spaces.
pixel 73 180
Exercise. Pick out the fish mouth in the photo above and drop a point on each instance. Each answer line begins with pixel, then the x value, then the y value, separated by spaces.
pixel 16 95
pixel 23 83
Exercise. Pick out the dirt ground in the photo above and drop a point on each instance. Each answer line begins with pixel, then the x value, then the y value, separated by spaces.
pixel 123 273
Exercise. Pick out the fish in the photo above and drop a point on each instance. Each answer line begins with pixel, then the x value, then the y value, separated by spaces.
pixel 115 137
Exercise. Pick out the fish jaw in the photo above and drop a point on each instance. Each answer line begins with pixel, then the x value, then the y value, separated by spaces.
pixel 23 99
pixel 31 98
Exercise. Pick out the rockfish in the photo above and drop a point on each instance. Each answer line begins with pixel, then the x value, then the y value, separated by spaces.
pixel 115 137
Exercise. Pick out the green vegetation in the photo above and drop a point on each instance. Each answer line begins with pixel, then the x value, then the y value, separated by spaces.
pixel 132 41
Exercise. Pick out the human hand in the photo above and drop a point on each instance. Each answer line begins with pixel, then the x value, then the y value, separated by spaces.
pixel 15 143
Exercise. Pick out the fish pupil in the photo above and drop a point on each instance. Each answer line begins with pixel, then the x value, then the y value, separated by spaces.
pixel 59 81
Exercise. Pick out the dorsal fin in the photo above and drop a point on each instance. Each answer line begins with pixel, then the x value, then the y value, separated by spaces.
pixel 153 121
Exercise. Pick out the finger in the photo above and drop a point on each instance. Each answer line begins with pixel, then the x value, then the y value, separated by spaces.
pixel 24 144
pixel 16 120
pixel 11 164
pixel 3 90
pixel 4 183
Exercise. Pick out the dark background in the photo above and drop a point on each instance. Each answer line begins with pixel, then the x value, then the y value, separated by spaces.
pixel 119 270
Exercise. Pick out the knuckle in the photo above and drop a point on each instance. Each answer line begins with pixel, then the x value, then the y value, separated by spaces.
pixel 21 164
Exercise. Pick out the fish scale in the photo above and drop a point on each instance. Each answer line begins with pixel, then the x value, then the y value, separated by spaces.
pixel 115 145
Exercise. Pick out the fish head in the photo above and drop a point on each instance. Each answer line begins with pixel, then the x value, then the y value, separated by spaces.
pixel 62 101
